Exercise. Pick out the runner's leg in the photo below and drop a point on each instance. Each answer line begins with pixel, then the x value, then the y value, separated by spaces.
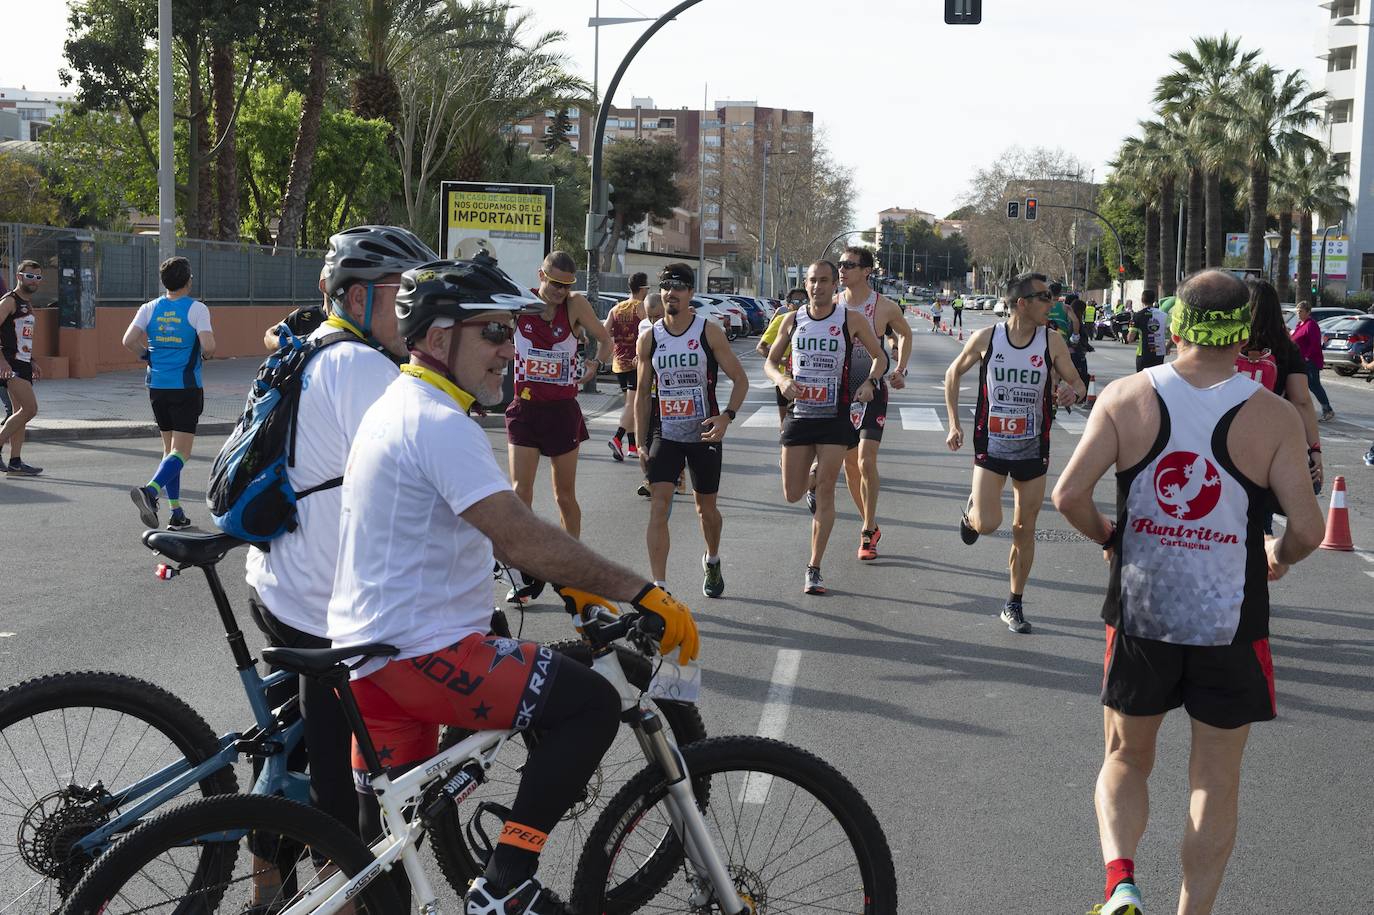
pixel 25 408
pixel 1028 497
pixel 868 472
pixel 1214 779
pixel 829 460
pixel 657 538
pixel 1122 797
pixel 853 478
pixel 985 516
pixel 565 492
pixel 709 514
pixel 181 443
pixel 796 470
pixel 523 462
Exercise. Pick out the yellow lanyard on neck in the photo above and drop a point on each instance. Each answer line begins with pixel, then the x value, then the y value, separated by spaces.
pixel 463 398
pixel 341 324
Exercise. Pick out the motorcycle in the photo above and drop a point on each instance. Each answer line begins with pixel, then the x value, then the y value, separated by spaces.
pixel 1121 325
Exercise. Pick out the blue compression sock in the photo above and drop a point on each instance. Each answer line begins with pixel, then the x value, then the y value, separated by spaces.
pixel 169 474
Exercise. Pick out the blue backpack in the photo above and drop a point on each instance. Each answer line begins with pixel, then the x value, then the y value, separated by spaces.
pixel 249 495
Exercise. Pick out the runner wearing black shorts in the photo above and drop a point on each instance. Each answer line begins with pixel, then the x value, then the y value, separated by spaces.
pixel 679 358
pixel 17 370
pixel 818 427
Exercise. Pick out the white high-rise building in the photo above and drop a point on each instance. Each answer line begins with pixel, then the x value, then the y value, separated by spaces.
pixel 1344 44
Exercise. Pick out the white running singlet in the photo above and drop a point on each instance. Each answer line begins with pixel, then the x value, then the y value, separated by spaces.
pixel 1012 419
pixel 684 381
pixel 820 364
pixel 1191 567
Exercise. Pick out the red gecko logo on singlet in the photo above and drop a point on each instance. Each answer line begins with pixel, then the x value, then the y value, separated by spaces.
pixel 692 344
pixel 1037 361
pixel 1187 485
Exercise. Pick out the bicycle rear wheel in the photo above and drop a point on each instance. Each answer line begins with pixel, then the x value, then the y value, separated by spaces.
pixel 287 849
pixel 794 834
pixel 558 862
pixel 69 743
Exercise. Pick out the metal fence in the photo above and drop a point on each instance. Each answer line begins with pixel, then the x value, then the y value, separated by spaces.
pixel 126 267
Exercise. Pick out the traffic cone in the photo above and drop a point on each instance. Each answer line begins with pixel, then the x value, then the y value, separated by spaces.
pixel 1338 520
pixel 961 335
pixel 1092 390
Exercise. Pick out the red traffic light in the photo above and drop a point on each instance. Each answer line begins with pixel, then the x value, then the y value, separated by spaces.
pixel 1121 268
pixel 1030 209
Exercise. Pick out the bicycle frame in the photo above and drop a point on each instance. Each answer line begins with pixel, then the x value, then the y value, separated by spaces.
pixel 401 837
pixel 276 733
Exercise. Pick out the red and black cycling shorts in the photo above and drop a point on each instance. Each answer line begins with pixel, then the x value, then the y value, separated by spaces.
pixel 483 682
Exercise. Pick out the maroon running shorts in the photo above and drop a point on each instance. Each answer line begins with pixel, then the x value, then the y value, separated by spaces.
pixel 553 426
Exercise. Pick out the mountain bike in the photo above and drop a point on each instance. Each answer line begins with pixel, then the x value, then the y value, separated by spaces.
pixel 87 755
pixel 726 825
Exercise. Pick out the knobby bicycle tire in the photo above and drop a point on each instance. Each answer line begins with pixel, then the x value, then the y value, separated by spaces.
pixel 56 815
pixel 753 756
pixel 460 863
pixel 110 883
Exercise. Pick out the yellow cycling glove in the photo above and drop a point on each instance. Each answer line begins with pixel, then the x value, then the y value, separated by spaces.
pixel 575 600
pixel 680 630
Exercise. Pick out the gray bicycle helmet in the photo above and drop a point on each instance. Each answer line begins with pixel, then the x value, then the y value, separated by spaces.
pixel 367 253
pixel 460 290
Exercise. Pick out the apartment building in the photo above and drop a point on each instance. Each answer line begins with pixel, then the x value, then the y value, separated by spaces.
pixel 1343 42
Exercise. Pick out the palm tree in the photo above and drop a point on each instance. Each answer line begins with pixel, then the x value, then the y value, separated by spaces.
pixel 308 133
pixel 1281 202
pixel 1318 187
pixel 1204 82
pixel 1266 123
pixel 389 33
pixel 1167 143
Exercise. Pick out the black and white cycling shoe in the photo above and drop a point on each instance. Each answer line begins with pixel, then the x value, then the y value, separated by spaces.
pixel 529 898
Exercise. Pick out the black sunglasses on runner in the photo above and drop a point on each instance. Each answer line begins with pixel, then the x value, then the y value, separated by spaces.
pixel 797 302
pixel 675 285
pixel 497 332
pixel 1043 295
pixel 850 265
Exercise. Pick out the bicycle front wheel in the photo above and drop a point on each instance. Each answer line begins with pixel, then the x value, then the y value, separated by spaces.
pixel 794 835
pixel 287 850
pixel 71 743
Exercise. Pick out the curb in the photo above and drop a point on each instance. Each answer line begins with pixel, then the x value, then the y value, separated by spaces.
pixel 149 429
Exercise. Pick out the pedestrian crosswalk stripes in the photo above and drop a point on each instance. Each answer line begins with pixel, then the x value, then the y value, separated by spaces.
pixel 921 419
pixel 912 419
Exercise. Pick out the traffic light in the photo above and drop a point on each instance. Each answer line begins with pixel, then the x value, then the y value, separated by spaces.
pixel 1013 209
pixel 963 12
pixel 1030 209
pixel 1121 269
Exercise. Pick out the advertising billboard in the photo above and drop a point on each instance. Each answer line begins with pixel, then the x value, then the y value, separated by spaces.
pixel 1337 255
pixel 511 222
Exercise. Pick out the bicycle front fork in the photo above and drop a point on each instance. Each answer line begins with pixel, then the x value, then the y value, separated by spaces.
pixel 686 817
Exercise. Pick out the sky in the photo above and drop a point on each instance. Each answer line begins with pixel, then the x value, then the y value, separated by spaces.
pixel 914 107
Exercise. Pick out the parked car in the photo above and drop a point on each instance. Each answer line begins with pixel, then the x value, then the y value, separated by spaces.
pixel 713 312
pixel 739 318
pixel 999 308
pixel 1345 339
pixel 1319 314
pixel 753 309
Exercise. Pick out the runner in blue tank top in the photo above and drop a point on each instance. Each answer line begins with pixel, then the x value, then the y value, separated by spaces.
pixel 173 333
pixel 1198 451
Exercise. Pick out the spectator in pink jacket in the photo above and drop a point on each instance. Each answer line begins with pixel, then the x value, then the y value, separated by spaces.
pixel 1308 336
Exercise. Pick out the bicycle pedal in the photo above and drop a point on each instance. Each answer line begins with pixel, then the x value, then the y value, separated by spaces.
pixel 478 840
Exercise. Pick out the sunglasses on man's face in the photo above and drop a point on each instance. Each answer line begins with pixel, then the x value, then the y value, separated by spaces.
pixel 1043 295
pixel 35 277
pixel 850 265
pixel 494 332
pixel 675 285
pixel 555 283
pixel 798 302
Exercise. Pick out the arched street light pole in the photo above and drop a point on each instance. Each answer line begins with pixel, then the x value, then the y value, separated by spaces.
pixel 596 216
pixel 826 249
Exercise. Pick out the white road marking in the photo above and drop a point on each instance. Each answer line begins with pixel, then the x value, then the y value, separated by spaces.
pixel 7 635
pixel 921 419
pixel 1366 555
pixel 773 721
pixel 1369 573
pixel 763 418
pixel 1072 423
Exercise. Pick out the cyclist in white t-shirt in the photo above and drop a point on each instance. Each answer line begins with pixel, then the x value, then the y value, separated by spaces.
pixel 290 584
pixel 426 508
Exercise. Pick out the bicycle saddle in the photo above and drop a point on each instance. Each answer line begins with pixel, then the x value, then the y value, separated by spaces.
pixel 191 549
pixel 316 662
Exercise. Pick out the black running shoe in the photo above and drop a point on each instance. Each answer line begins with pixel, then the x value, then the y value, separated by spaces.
pixel 811 500
pixel 966 531
pixel 530 590
pixel 146 501
pixel 1015 619
pixel 19 468
pixel 178 521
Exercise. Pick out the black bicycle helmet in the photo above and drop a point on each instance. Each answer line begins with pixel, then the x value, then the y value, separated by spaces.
pixel 367 253
pixel 460 290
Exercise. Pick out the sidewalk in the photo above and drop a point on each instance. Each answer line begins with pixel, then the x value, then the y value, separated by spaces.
pixel 115 405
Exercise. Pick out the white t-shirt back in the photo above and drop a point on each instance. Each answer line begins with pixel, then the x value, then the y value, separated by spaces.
pixel 296 577
pixel 411 572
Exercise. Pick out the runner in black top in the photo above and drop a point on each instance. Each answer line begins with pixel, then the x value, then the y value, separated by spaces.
pixel 17 368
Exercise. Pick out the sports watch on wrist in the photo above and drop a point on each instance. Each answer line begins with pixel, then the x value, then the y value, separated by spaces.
pixel 730 413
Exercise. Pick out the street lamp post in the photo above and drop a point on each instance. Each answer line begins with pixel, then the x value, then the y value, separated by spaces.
pixel 1321 269
pixel 763 210
pixel 1271 240
pixel 166 158
pixel 596 217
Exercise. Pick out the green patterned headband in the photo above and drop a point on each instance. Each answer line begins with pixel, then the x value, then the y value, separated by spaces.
pixel 1209 328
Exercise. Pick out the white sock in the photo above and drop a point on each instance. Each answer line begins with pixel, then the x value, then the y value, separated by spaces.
pixel 660 584
pixel 712 559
